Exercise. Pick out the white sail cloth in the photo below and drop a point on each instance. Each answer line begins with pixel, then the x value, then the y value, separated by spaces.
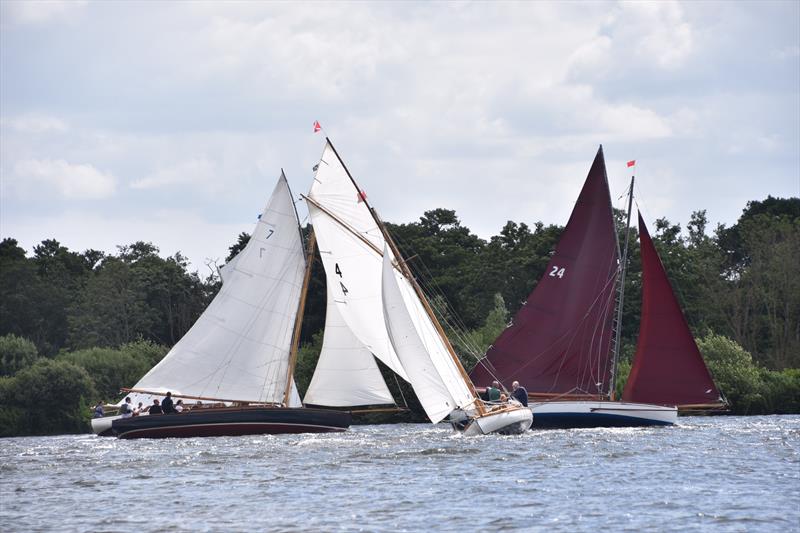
pixel 239 347
pixel 346 373
pixel 350 245
pixel 432 372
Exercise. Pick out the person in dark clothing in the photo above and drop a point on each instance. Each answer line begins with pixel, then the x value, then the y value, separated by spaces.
pixel 493 392
pixel 167 406
pixel 155 409
pixel 519 393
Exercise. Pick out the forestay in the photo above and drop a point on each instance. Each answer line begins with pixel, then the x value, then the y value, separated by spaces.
pixel 346 373
pixel 432 372
pixel 350 244
pixel 239 347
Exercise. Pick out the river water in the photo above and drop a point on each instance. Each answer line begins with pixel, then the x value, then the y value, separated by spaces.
pixel 707 474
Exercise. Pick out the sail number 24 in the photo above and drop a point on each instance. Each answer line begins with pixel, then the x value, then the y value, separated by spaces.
pixel 557 272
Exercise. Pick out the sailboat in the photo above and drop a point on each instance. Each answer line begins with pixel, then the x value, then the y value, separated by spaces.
pixel 237 361
pixel 563 344
pixel 384 309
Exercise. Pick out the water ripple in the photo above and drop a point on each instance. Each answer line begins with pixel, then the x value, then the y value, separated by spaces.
pixel 720 473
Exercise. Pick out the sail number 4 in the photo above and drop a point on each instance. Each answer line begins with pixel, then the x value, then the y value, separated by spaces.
pixel 339 272
pixel 557 272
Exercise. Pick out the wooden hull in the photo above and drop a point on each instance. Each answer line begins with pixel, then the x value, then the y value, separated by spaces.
pixel 232 421
pixel 592 414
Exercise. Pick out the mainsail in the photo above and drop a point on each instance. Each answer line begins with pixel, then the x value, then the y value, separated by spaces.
pixel 560 341
pixel 350 245
pixel 436 380
pixel 667 368
pixel 346 373
pixel 239 347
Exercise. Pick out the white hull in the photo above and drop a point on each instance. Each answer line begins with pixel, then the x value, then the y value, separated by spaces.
pixel 572 414
pixel 508 421
pixel 102 426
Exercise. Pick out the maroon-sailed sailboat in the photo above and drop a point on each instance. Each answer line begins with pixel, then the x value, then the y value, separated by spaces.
pixel 563 344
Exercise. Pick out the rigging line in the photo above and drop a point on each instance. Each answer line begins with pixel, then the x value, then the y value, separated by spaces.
pixel 564 335
pixel 431 291
pixel 451 318
pixel 400 389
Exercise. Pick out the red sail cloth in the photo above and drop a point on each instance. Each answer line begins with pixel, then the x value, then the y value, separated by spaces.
pixel 559 342
pixel 667 368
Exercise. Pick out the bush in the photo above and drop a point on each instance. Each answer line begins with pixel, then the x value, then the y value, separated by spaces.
pixel 781 391
pixel 16 353
pixel 734 373
pixel 50 397
pixel 112 369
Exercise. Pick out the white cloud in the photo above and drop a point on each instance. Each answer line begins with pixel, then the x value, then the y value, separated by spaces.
pixel 76 181
pixel 197 172
pixel 35 123
pixel 33 11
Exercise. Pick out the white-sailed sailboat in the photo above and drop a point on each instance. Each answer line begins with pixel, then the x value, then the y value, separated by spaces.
pixel 240 353
pixel 383 307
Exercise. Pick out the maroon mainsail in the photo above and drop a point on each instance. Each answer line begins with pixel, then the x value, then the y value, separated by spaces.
pixel 560 341
pixel 667 368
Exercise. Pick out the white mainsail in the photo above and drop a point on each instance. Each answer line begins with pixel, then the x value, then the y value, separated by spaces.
pixel 346 373
pixel 350 245
pixel 433 374
pixel 239 347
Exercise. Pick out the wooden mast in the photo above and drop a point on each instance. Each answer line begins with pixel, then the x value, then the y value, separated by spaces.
pixel 298 321
pixel 417 289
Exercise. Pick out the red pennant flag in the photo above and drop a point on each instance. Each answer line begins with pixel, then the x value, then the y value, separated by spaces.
pixel 631 163
pixel 317 127
pixel 362 197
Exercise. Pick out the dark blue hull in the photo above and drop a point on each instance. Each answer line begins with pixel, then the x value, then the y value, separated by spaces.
pixel 591 420
pixel 232 421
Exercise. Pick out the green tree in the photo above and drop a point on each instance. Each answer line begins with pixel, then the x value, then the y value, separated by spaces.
pixel 16 353
pixel 23 297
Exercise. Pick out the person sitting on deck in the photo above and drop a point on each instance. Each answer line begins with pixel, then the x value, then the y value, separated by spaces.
pixel 126 409
pixel 519 393
pixel 139 409
pixel 493 392
pixel 179 406
pixel 155 409
pixel 98 410
pixel 167 406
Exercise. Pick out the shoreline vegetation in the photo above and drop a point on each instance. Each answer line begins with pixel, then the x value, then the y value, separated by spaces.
pixel 75 327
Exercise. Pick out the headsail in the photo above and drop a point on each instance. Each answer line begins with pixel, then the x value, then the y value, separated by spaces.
pixel 560 341
pixel 350 245
pixel 346 373
pixel 431 370
pixel 667 368
pixel 239 347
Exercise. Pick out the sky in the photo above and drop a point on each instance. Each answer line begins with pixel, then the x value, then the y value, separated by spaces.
pixel 170 122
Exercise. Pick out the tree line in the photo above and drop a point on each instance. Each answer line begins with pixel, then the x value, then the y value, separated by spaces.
pixel 77 326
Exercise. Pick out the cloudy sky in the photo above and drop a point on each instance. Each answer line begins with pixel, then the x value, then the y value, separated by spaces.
pixel 170 122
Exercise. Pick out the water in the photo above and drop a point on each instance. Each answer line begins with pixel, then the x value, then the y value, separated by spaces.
pixel 721 474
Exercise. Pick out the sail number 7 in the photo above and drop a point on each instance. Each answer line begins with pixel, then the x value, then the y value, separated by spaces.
pixel 557 272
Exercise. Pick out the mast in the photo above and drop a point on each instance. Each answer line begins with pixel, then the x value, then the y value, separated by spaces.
pixel 301 305
pixel 298 321
pixel 407 273
pixel 612 389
